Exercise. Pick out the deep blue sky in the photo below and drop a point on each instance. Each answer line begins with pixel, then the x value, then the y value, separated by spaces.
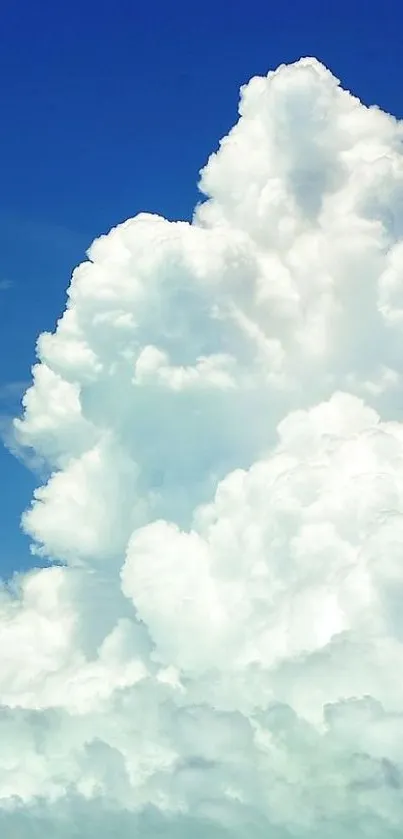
pixel 109 109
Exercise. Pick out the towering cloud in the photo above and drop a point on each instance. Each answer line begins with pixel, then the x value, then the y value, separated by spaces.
pixel 215 647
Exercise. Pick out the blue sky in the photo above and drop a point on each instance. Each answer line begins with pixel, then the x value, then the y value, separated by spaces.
pixel 111 109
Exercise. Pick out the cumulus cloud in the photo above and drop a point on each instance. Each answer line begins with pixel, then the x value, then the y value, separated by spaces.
pixel 215 647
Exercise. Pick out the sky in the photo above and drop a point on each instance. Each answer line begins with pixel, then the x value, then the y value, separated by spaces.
pixel 202 245
pixel 111 110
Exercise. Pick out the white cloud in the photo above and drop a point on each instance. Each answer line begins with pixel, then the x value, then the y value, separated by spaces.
pixel 219 412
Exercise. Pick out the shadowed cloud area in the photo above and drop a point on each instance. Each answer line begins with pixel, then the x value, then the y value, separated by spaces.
pixel 214 648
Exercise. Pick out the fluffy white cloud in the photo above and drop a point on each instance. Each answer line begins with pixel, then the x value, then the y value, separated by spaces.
pixel 215 647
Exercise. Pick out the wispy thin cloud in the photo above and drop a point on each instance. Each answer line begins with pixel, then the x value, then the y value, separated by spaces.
pixel 5 285
pixel 12 391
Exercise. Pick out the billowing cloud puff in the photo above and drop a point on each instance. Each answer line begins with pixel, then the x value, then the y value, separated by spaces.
pixel 215 646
